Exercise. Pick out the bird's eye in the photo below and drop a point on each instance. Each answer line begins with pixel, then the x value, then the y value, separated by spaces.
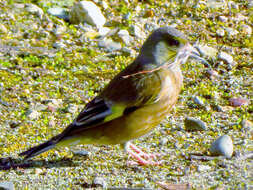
pixel 173 42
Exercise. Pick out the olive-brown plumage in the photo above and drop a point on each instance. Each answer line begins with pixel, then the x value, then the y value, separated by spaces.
pixel 135 101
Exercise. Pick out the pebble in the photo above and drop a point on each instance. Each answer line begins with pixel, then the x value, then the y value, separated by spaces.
pixel 206 50
pixel 104 5
pixel 87 11
pixel 128 52
pixel 32 114
pixel 58 12
pixel 246 29
pixel 231 32
pixel 34 9
pixel 136 31
pixel 192 124
pixel 124 36
pixel 58 30
pixel 99 181
pixel 220 32
pixel 223 18
pixel 109 45
pixel 214 4
pixel 81 153
pixel 226 57
pixel 127 16
pixel 102 31
pixel 202 168
pixel 223 146
pixel 212 74
pixel 59 45
pixel 6 185
pixel 38 171
pixel 237 102
pixel 163 141
pixel 198 100
pixel 247 124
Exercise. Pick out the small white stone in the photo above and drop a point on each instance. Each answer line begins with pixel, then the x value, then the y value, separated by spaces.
pixel 226 57
pixel 220 32
pixel 136 31
pixel 109 45
pixel 207 51
pixel 124 36
pixel 246 29
pixel 202 168
pixel 34 9
pixel 105 5
pixel 87 11
pixel 59 45
pixel 222 146
pixel 231 31
pixel 103 31
pixel 58 12
pixel 32 114
pixel 223 18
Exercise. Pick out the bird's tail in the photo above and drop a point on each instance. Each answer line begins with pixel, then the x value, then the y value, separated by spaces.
pixel 36 150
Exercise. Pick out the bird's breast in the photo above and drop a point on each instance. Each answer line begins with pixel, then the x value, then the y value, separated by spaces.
pixel 145 118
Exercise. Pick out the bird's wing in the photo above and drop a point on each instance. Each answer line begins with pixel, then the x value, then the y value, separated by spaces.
pixel 122 96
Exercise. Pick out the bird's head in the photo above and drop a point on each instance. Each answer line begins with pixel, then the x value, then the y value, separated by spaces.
pixel 166 45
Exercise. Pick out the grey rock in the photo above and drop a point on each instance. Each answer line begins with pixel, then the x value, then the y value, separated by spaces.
pixel 34 9
pixel 246 29
pixel 231 32
pixel 6 185
pixel 220 32
pixel 32 114
pixel 198 100
pixel 136 31
pixel 223 18
pixel 59 12
pixel 87 11
pixel 163 141
pixel 214 4
pixel 206 50
pixel 232 4
pixel 104 5
pixel 124 36
pixel 59 45
pixel 82 153
pixel 100 182
pixel 192 124
pixel 250 5
pixel 59 30
pixel 109 45
pixel 202 168
pixel 127 16
pixel 226 57
pixel 223 146
pixel 103 31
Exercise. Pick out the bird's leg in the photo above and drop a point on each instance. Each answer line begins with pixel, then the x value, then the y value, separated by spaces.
pixel 141 157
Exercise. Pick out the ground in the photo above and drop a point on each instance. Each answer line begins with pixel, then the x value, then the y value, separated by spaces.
pixel 44 86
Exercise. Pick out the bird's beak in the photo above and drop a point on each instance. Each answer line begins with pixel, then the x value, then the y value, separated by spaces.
pixel 190 51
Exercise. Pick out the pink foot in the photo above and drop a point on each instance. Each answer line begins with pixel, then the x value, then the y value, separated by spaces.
pixel 141 157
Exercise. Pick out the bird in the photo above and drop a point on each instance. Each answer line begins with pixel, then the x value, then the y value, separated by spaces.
pixel 134 102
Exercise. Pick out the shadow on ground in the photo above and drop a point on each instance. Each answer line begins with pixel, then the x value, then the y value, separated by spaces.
pixel 12 163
